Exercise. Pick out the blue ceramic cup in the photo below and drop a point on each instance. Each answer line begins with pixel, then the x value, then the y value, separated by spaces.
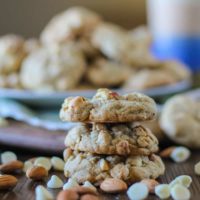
pixel 175 25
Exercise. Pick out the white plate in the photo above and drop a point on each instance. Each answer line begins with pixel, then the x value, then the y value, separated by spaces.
pixel 56 98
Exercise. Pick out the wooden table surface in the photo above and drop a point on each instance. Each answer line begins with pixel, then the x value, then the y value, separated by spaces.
pixel 25 188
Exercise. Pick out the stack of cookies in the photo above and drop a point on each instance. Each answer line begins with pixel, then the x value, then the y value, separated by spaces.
pixel 107 143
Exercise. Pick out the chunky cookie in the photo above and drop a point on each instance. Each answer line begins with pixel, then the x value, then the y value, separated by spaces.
pixel 107 106
pixel 180 120
pixel 105 73
pixel 117 139
pixel 12 53
pixel 70 24
pixel 57 68
pixel 89 167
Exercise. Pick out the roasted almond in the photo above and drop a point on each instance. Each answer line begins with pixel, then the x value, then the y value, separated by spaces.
pixel 151 184
pixel 83 190
pixel 113 185
pixel 11 166
pixel 7 181
pixel 36 173
pixel 167 152
pixel 89 197
pixel 68 195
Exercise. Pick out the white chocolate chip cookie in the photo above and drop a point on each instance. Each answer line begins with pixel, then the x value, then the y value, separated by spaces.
pixel 108 106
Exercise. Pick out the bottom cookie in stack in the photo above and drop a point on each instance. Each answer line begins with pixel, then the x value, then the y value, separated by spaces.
pixel 95 168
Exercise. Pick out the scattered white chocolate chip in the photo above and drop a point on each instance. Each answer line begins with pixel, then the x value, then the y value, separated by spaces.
pixel 197 168
pixel 179 192
pixel 27 164
pixel 70 184
pixel 162 191
pixel 180 154
pixel 57 163
pixel 55 182
pixel 138 191
pixel 184 180
pixel 173 183
pixel 8 156
pixel 44 162
pixel 42 193
pixel 89 185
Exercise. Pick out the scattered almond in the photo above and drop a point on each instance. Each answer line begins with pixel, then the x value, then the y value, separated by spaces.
pixel 151 184
pixel 11 166
pixel 83 190
pixel 167 152
pixel 68 195
pixel 37 173
pixel 89 197
pixel 7 181
pixel 113 185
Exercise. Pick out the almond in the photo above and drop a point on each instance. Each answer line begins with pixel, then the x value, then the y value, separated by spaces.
pixel 11 166
pixel 113 185
pixel 151 184
pixel 68 195
pixel 37 173
pixel 7 181
pixel 167 152
pixel 84 190
pixel 89 197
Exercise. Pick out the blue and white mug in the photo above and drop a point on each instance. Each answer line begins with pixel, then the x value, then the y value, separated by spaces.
pixel 175 25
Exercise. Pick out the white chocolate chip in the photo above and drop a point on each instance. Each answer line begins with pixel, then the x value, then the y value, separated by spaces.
pixel 42 193
pixel 180 154
pixel 162 191
pixel 57 163
pixel 197 168
pixel 89 185
pixel 70 184
pixel 179 192
pixel 27 164
pixel 184 180
pixel 55 182
pixel 138 191
pixel 44 162
pixel 173 183
pixel 8 156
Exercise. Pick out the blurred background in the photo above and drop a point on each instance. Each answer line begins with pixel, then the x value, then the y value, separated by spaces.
pixel 29 17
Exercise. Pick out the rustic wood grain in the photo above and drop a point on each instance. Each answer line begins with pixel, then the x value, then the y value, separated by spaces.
pixel 21 135
pixel 25 188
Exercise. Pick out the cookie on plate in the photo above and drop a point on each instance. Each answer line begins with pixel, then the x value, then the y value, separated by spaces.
pixel 116 139
pixel 180 120
pixel 12 53
pixel 105 73
pixel 107 106
pixel 57 68
pixel 70 24
pixel 89 167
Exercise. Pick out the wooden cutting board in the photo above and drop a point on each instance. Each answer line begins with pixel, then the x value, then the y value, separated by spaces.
pixel 18 134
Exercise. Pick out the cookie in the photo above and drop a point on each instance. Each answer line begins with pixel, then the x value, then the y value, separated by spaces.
pixel 180 120
pixel 58 68
pixel 12 53
pixel 89 167
pixel 112 40
pixel 105 73
pixel 31 45
pixel 107 106
pixel 70 24
pixel 116 139
pixel 147 78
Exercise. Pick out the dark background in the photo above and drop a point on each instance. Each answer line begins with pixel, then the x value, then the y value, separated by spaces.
pixel 28 17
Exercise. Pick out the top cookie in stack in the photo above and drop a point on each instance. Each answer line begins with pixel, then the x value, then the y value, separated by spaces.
pixel 108 107
pixel 107 144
